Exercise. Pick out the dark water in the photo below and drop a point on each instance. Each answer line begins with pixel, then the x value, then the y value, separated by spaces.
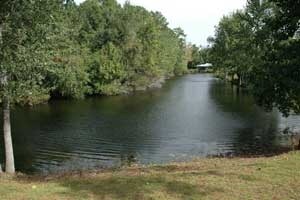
pixel 195 115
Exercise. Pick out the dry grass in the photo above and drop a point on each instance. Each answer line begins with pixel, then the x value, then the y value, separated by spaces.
pixel 238 178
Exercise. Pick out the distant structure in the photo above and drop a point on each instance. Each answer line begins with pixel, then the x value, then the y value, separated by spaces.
pixel 204 67
pixel 297 33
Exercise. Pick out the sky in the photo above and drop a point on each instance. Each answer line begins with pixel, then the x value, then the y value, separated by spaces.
pixel 197 18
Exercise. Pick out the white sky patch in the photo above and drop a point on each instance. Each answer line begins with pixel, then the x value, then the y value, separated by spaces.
pixel 197 18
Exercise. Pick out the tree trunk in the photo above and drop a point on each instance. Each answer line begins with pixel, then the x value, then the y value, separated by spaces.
pixel 9 153
pixel 241 81
pixel 1 29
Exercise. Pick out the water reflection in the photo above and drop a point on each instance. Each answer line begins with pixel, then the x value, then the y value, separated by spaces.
pixel 195 115
pixel 260 130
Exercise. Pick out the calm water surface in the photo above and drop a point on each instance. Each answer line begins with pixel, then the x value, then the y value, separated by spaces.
pixel 195 115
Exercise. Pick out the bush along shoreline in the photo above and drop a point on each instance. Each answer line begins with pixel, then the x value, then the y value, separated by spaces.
pixel 92 49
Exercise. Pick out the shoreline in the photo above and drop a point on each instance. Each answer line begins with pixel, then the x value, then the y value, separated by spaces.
pixel 100 170
pixel 127 164
pixel 76 173
pixel 208 178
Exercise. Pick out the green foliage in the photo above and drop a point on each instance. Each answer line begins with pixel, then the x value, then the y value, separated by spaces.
pixel 24 27
pixel 260 46
pixel 96 48
pixel 67 76
pixel 280 70
pixel 234 50
pixel 106 71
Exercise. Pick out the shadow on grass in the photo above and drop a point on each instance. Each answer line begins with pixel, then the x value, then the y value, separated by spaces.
pixel 242 177
pixel 174 168
pixel 136 187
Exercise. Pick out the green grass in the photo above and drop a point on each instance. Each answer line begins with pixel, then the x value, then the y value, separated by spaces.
pixel 239 178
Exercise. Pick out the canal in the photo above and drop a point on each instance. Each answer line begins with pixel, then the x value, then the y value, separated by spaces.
pixel 191 116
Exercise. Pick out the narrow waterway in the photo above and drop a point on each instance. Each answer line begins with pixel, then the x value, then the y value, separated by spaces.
pixel 191 116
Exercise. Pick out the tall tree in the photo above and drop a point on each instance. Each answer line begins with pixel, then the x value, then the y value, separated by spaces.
pixel 233 48
pixel 276 81
pixel 23 39
pixel 262 42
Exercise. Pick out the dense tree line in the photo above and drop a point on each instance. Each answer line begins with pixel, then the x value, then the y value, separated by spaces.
pixel 57 49
pixel 96 48
pixel 259 48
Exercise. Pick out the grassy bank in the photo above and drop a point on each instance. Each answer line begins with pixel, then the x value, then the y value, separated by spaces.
pixel 238 178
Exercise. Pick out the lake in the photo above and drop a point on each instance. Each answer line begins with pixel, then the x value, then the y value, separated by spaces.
pixel 191 116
